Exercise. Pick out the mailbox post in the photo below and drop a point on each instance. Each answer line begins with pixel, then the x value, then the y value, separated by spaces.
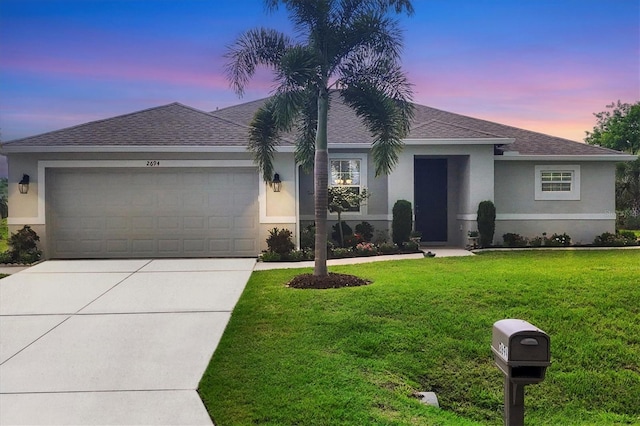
pixel 522 352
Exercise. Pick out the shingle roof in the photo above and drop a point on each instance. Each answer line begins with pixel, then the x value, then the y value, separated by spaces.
pixel 168 125
pixel 179 125
pixel 431 123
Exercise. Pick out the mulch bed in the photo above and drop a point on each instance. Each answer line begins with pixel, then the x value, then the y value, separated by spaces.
pixel 332 280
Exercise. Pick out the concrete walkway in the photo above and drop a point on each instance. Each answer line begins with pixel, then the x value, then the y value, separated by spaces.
pixel 113 342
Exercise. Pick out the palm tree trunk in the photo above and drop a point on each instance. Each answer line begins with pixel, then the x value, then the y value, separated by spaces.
pixel 321 178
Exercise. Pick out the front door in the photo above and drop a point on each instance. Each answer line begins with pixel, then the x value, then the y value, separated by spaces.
pixel 430 195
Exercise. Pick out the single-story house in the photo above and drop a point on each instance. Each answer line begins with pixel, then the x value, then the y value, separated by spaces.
pixel 174 181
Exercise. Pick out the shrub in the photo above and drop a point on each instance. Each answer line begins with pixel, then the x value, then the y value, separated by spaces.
pixel 270 256
pixel 295 256
pixel 366 230
pixel 387 248
pixel 558 240
pixel 401 223
pixel 308 237
pixel 411 246
pixel 351 241
pixel 366 249
pixel 340 252
pixel 629 236
pixel 280 241
pixel 24 247
pixel 381 236
pixel 486 222
pixel 514 240
pixel 346 230
pixel 624 238
pixel 537 241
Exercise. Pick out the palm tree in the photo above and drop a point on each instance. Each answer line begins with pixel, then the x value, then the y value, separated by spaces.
pixel 350 46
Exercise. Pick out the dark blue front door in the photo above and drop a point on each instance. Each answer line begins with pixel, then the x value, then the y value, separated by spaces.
pixel 430 195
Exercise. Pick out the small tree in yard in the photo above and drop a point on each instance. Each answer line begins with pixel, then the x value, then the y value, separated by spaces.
pixel 342 199
pixel 486 222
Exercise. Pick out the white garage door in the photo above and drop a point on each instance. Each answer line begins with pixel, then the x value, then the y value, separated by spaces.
pixel 120 213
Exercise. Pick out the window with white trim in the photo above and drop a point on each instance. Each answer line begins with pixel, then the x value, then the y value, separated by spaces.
pixel 350 172
pixel 557 182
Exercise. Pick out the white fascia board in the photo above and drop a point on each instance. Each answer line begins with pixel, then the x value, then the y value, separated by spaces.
pixel 569 158
pixel 460 141
pixel 418 142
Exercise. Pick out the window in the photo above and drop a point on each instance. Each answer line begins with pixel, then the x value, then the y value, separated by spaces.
pixel 348 172
pixel 557 183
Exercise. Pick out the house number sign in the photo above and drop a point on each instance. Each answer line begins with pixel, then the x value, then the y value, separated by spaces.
pixel 153 163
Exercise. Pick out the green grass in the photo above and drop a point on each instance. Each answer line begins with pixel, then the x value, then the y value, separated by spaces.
pixel 4 235
pixel 355 356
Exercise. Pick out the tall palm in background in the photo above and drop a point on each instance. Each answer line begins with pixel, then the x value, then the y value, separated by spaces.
pixel 350 46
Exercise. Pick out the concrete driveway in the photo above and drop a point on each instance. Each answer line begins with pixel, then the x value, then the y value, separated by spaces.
pixel 113 341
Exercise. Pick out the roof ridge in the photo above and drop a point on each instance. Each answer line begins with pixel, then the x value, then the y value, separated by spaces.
pixel 520 129
pixel 237 105
pixel 458 126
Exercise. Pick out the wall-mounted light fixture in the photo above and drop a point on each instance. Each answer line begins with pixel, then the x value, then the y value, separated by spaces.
pixel 23 185
pixel 276 182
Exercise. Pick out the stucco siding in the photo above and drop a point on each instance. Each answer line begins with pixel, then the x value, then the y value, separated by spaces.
pixel 519 212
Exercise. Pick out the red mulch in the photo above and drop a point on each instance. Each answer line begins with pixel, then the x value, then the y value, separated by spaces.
pixel 330 281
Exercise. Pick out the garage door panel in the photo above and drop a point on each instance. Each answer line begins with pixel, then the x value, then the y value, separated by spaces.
pixel 245 223
pixel 191 223
pixel 143 246
pixel 115 223
pixel 92 246
pixel 169 222
pixel 152 213
pixel 169 200
pixel 118 246
pixel 143 222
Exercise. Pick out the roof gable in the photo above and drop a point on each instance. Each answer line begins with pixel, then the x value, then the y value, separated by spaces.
pixel 167 125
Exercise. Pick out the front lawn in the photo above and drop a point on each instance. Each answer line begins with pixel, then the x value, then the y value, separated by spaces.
pixel 356 356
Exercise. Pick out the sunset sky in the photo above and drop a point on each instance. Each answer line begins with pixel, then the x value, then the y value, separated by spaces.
pixel 544 65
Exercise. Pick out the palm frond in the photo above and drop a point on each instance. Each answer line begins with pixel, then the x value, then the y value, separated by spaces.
pixel 263 139
pixel 307 126
pixel 259 46
pixel 279 114
pixel 297 69
pixel 387 118
pixel 380 71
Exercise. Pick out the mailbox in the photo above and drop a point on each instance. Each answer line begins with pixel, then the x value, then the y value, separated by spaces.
pixel 521 350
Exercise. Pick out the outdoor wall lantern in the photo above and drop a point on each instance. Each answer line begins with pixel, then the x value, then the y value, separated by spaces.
pixel 276 182
pixel 23 185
